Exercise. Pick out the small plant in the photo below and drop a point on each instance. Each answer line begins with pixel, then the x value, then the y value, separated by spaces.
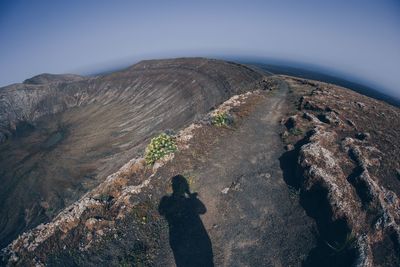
pixel 296 131
pixel 105 197
pixel 159 147
pixel 220 119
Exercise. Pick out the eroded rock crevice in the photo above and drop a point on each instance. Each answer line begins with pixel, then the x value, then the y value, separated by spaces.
pixel 337 171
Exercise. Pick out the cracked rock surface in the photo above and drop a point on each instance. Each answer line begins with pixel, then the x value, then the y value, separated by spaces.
pixel 346 157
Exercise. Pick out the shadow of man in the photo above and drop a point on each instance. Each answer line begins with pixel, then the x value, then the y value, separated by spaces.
pixel 188 238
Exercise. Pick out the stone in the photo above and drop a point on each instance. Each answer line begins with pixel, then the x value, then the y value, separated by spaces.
pixel 289 147
pixel 225 190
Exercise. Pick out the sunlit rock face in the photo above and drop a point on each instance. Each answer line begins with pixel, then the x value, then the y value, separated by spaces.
pixel 60 135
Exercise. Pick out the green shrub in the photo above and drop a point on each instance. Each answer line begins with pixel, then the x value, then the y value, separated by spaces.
pixel 220 119
pixel 159 147
pixel 296 131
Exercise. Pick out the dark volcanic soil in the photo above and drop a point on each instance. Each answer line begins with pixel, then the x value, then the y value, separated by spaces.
pixel 63 133
pixel 306 175
pixel 250 215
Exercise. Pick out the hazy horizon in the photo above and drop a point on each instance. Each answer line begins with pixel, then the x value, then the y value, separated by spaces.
pixel 357 40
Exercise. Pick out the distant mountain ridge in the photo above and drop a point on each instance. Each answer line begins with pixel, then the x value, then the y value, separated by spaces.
pixel 49 78
pixel 323 77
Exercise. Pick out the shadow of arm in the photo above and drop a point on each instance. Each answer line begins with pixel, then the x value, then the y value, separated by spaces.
pixel 162 207
pixel 199 207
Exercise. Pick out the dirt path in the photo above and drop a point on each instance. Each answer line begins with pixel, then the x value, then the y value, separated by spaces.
pixel 252 218
pixel 248 215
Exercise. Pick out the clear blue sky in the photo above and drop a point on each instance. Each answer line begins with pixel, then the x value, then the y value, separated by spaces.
pixel 359 38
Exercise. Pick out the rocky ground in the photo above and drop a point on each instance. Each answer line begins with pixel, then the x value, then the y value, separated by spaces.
pixel 343 154
pixel 307 174
pixel 252 217
pixel 61 135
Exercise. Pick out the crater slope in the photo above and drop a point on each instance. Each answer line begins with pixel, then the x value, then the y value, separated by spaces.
pixel 62 134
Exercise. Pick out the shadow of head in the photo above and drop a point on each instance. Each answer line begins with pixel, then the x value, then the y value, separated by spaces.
pixel 180 185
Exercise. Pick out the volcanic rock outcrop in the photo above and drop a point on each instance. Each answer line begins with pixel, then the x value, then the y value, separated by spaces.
pixel 345 148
